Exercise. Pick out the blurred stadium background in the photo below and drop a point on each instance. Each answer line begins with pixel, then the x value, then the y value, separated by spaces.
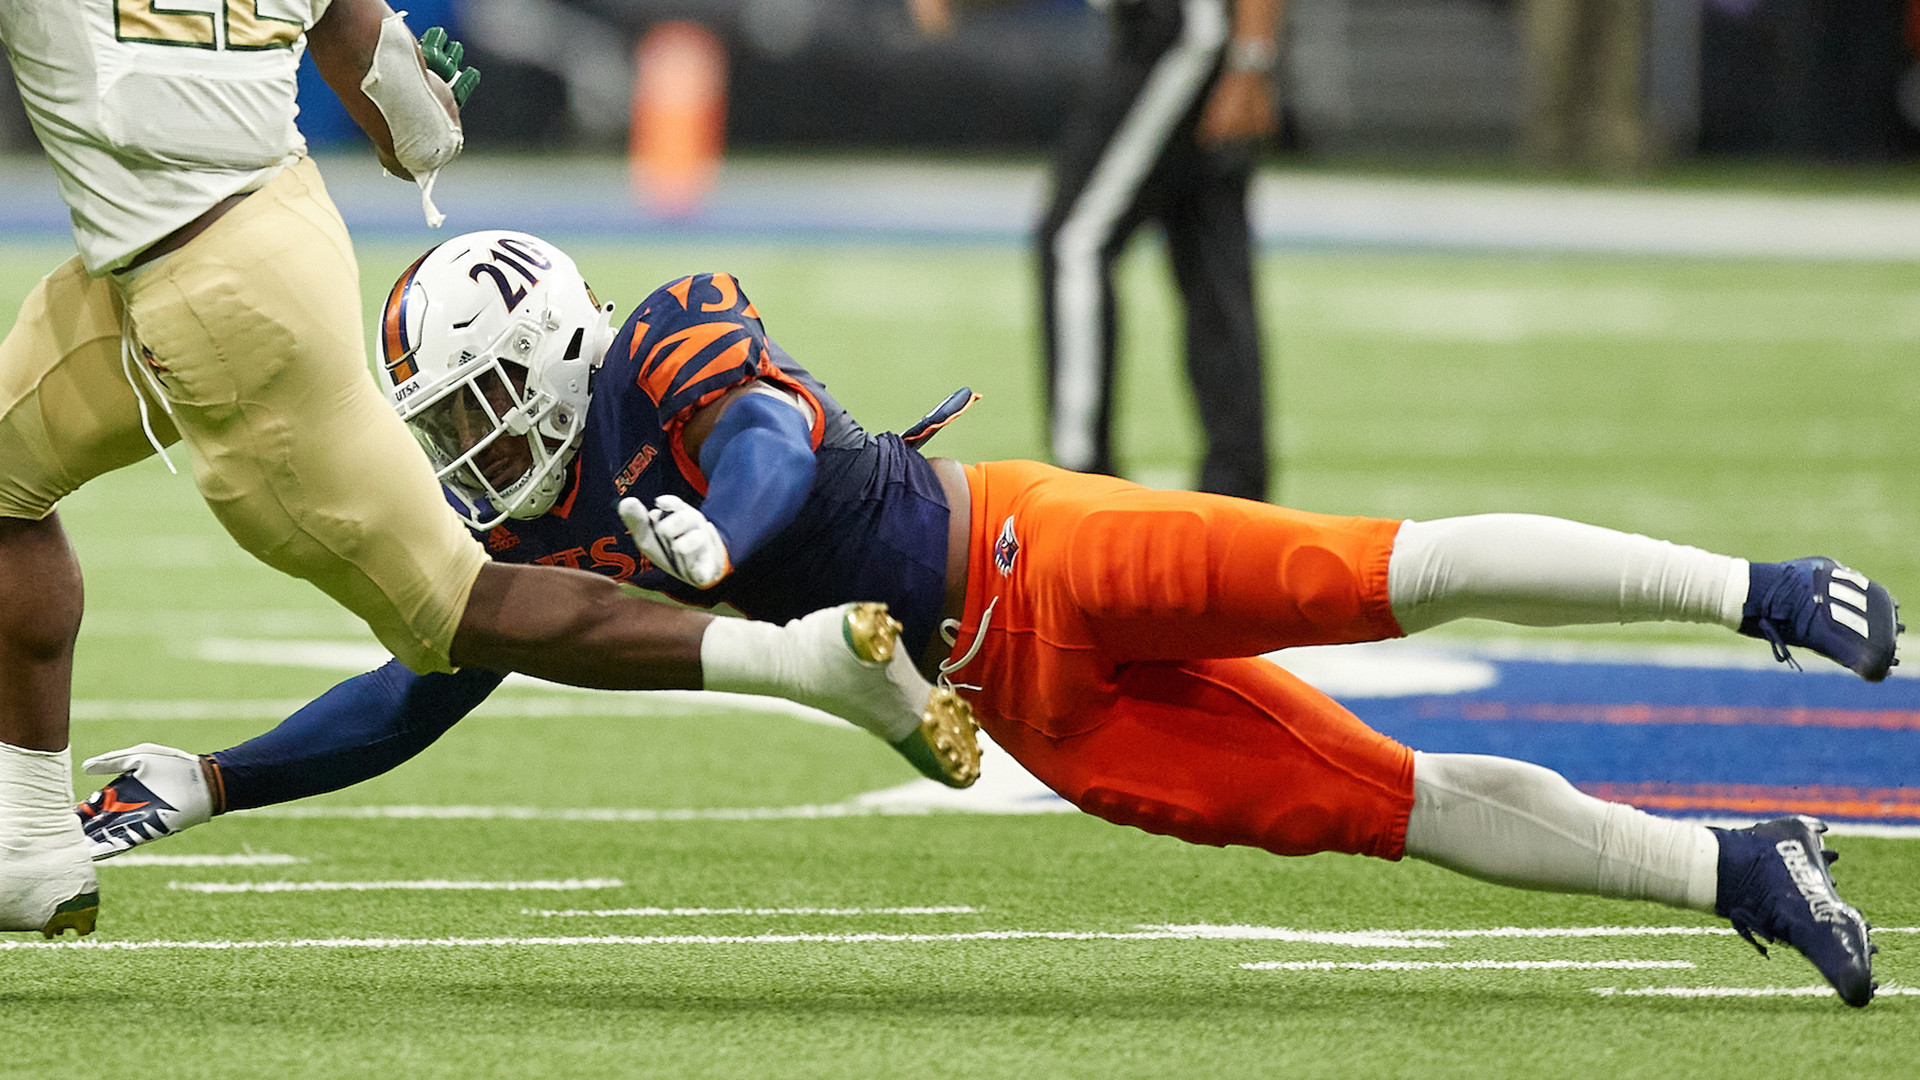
pixel 1782 79
pixel 1394 78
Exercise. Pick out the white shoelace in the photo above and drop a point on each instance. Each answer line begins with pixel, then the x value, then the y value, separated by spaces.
pixel 950 633
pixel 127 364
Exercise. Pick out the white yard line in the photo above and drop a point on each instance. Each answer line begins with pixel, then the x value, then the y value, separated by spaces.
pixel 429 885
pixel 1430 938
pixel 1256 933
pixel 1741 991
pixel 1388 939
pixel 1384 938
pixel 1466 965
pixel 701 911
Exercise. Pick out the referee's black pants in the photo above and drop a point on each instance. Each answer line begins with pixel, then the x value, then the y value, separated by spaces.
pixel 1129 155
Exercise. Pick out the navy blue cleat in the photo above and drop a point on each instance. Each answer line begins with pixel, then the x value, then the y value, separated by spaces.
pixel 1774 883
pixel 1818 604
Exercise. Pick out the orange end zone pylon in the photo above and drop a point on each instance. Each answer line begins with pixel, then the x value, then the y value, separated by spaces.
pixel 679 117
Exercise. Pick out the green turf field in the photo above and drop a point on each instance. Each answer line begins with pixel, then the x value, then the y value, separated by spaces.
pixel 1763 408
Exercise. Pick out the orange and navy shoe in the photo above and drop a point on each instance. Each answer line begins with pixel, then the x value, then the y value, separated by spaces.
pixel 1818 604
pixel 1774 884
pixel 158 792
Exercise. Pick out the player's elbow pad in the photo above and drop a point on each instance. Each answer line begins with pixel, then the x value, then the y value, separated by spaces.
pixel 417 105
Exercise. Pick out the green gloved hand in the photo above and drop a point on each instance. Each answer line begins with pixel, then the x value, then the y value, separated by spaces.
pixel 442 55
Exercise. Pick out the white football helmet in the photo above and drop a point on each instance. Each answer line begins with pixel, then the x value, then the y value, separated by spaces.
pixel 490 341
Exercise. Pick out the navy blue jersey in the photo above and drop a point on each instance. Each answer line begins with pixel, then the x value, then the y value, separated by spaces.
pixel 874 526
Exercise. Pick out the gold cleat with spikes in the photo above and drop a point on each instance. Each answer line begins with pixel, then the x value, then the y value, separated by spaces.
pixel 943 747
pixel 77 914
pixel 871 632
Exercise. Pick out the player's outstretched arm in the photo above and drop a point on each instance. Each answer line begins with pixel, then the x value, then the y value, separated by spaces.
pixel 758 460
pixel 361 728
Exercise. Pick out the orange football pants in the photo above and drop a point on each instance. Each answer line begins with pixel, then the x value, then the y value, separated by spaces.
pixel 1120 662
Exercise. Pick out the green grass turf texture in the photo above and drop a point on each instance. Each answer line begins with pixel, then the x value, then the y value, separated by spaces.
pixel 1761 408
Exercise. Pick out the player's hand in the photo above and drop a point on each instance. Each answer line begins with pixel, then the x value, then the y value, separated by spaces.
pixel 159 791
pixel 1240 110
pixel 443 55
pixel 679 539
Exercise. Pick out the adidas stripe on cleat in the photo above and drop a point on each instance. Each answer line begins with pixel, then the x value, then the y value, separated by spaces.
pixel 1774 885
pixel 1816 603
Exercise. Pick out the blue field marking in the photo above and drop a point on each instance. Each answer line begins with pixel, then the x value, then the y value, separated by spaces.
pixel 803 199
pixel 1684 739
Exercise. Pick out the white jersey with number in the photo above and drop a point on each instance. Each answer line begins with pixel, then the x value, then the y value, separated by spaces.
pixel 154 110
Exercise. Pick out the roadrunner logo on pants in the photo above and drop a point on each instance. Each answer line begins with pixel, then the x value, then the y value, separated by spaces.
pixel 1006 549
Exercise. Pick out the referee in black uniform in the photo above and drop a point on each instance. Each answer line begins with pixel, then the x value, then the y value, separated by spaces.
pixel 1168 134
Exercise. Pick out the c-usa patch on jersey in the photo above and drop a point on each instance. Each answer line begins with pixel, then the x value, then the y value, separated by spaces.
pixel 1006 549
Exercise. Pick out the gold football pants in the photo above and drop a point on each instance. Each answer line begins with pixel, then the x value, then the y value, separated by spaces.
pixel 249 347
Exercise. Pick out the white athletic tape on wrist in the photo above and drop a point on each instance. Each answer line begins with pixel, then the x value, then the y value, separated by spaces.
pixel 416 104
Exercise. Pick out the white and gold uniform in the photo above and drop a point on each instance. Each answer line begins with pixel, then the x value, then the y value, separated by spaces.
pixel 246 343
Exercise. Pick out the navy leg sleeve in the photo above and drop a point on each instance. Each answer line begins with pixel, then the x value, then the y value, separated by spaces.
pixel 359 729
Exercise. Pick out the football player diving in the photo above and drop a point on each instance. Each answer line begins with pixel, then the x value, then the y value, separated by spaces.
pixel 1108 636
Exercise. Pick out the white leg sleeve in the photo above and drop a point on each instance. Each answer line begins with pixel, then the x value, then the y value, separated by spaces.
pixel 1543 571
pixel 1518 824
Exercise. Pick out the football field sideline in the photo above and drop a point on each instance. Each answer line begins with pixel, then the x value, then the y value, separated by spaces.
pixel 838 199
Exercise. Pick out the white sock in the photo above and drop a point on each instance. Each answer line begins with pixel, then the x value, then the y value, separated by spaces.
pixel 1513 823
pixel 1544 571
pixel 807 661
pixel 740 656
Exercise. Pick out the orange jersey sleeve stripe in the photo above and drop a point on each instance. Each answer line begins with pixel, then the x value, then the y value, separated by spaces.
pixel 661 374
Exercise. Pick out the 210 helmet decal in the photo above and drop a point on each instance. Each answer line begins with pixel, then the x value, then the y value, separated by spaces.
pixel 490 341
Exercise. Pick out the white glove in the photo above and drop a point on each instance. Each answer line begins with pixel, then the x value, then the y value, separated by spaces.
pixel 159 791
pixel 679 539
